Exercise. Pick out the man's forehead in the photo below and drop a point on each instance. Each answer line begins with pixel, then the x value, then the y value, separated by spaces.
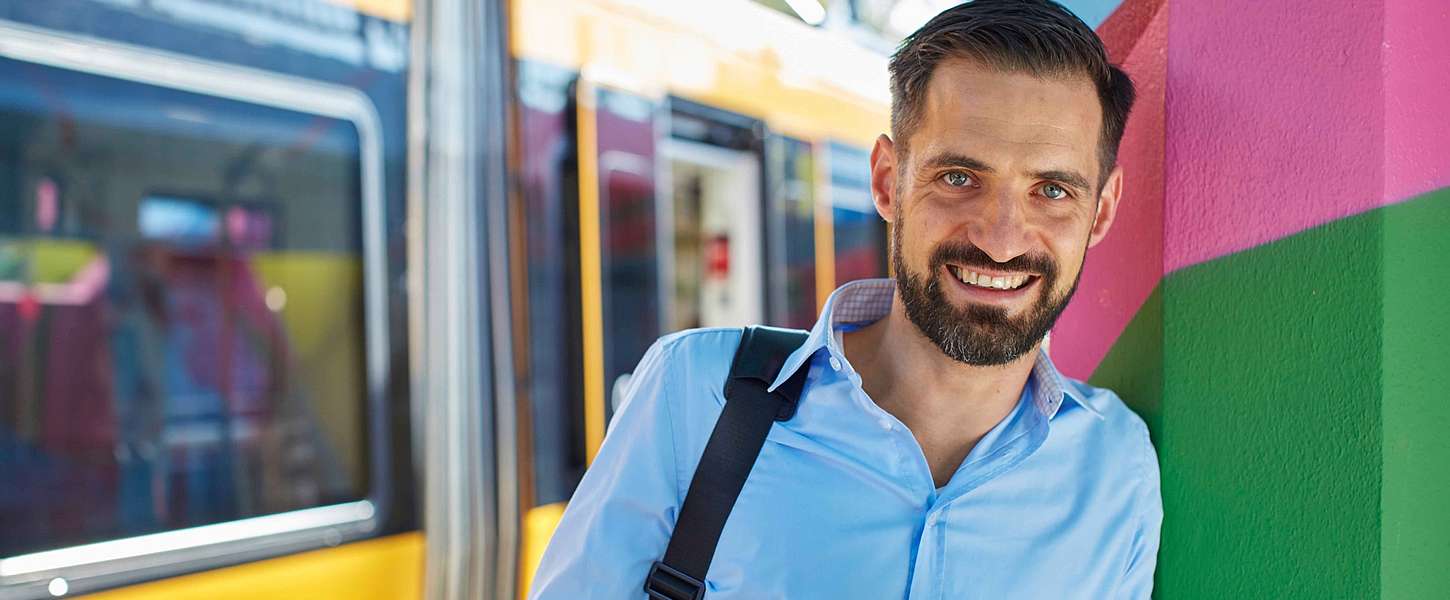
pixel 969 104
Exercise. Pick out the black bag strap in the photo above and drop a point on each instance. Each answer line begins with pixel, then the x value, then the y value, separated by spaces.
pixel 734 445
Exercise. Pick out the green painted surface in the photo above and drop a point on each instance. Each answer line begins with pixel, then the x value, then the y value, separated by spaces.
pixel 1133 368
pixel 1416 523
pixel 1270 419
pixel 1299 397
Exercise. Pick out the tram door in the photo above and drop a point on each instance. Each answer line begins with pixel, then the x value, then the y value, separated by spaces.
pixel 716 271
pixel 716 237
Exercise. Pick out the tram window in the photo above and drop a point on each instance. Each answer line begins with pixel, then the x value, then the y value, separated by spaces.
pixel 796 205
pixel 181 310
pixel 628 254
pixel 860 232
pixel 547 186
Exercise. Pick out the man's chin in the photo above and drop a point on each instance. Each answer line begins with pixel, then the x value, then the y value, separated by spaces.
pixel 987 315
pixel 996 330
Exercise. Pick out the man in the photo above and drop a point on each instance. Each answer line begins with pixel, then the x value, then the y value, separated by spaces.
pixel 935 451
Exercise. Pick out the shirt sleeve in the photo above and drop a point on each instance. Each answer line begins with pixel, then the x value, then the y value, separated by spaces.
pixel 620 517
pixel 1143 555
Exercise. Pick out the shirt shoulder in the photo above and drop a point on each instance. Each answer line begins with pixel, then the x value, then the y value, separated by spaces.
pixel 1124 437
pixel 1106 402
pixel 1121 431
pixel 711 342
pixel 693 365
pixel 698 357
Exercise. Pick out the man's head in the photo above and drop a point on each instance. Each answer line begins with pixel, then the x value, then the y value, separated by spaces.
pixel 1006 117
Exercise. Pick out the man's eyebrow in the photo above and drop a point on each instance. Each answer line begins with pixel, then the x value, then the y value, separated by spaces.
pixel 951 159
pixel 1072 178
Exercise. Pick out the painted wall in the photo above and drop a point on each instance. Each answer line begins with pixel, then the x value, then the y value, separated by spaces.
pixel 1415 528
pixel 1272 296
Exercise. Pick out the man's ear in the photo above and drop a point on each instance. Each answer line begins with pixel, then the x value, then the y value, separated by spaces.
pixel 1107 207
pixel 883 177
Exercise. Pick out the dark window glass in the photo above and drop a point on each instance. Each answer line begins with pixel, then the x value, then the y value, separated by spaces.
pixel 181 310
pixel 797 205
pixel 628 256
pixel 860 232
pixel 549 189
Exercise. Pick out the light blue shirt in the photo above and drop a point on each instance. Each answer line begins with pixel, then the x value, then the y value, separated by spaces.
pixel 1059 500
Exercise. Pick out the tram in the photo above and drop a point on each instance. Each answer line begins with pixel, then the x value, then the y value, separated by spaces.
pixel 253 253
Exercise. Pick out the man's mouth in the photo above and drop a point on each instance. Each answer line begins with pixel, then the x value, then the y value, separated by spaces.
pixel 1010 281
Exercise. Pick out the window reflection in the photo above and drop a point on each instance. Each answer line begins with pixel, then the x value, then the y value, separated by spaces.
pixel 797 208
pixel 181 336
pixel 860 232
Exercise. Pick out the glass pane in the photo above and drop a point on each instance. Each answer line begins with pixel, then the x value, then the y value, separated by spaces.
pixel 549 189
pixel 181 310
pixel 860 232
pixel 629 257
pixel 798 215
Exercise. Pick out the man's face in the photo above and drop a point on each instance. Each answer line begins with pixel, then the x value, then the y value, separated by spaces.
pixel 994 206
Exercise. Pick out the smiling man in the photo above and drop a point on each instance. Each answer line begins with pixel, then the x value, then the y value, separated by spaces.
pixel 934 451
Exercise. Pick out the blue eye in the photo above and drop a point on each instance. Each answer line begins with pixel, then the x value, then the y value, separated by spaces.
pixel 957 179
pixel 1053 191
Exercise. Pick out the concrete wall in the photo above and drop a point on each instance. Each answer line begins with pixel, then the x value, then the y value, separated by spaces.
pixel 1272 299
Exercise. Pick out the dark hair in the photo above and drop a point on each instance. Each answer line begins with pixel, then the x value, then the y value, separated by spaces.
pixel 1034 36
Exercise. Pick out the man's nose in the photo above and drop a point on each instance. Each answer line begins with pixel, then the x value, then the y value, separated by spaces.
pixel 1000 227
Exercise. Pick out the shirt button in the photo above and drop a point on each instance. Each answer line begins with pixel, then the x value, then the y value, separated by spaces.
pixel 885 424
pixel 835 364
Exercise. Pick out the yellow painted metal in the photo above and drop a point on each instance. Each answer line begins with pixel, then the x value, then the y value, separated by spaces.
pixel 388 568
pixel 392 10
pixel 825 228
pixel 732 54
pixel 539 525
pixel 590 273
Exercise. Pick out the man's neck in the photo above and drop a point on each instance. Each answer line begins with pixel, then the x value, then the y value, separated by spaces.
pixel 948 405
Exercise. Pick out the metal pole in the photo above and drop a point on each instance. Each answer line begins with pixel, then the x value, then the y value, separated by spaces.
pixel 462 371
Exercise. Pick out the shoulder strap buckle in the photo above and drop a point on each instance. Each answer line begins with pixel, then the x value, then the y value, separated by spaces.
pixel 665 583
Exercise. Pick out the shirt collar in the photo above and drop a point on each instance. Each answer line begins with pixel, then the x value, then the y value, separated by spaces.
pixel 868 300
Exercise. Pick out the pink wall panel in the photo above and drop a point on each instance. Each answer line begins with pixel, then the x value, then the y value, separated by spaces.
pixel 1275 119
pixel 1417 97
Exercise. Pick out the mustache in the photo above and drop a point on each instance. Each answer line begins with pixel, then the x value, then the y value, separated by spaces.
pixel 967 254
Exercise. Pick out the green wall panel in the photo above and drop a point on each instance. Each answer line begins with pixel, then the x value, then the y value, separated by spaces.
pixel 1299 398
pixel 1133 368
pixel 1268 429
pixel 1416 353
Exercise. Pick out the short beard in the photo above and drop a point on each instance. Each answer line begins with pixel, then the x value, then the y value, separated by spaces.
pixel 977 335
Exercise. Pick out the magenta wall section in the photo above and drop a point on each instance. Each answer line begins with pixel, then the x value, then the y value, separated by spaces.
pixel 1274 122
pixel 1416 97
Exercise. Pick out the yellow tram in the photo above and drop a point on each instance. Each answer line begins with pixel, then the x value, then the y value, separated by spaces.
pixel 253 253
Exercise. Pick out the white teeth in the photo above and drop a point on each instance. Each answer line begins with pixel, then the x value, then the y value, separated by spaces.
pixel 1011 282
